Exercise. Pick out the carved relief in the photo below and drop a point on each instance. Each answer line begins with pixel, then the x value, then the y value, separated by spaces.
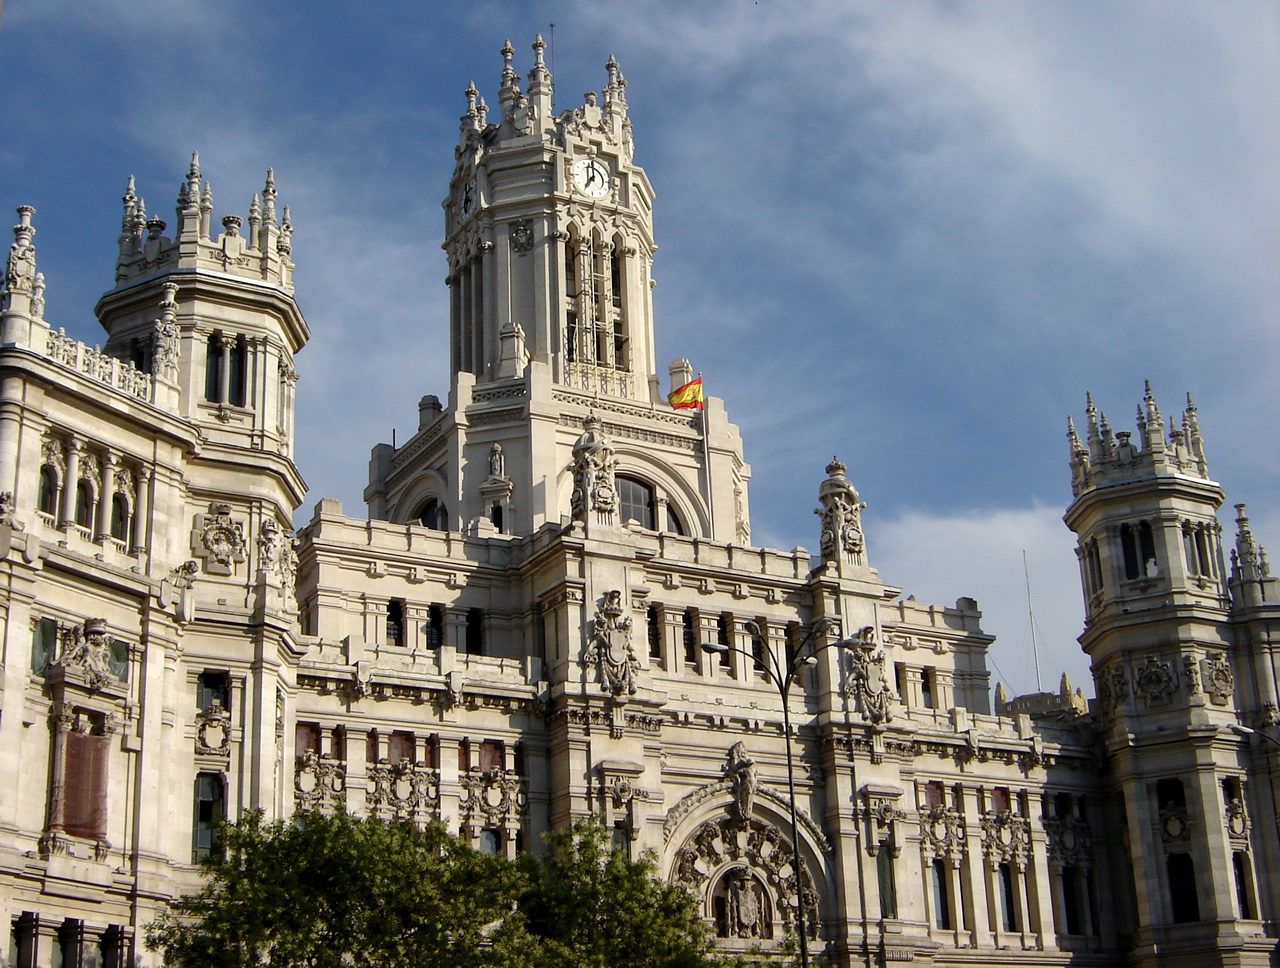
pixel 1070 841
pixel 746 912
pixel 85 651
pixel 1006 838
pixel 610 648
pixel 942 833
pixel 1237 820
pixel 521 236
pixel 841 516
pixel 740 771
pixel 756 848
pixel 164 340
pixel 403 791
pixel 882 816
pixel 1155 681
pixel 1113 688
pixel 218 539
pixel 865 681
pixel 593 468
pixel 318 783
pixel 492 798
pixel 213 730
pixel 20 270
pixel 1219 683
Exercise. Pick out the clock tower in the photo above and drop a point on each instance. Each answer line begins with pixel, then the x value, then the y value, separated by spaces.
pixel 549 239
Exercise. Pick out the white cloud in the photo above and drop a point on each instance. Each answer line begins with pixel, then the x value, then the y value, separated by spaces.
pixel 978 554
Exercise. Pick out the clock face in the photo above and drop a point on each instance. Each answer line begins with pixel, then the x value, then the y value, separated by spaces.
pixel 591 177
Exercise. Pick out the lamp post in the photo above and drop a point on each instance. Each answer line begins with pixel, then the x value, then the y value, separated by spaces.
pixel 1250 731
pixel 782 675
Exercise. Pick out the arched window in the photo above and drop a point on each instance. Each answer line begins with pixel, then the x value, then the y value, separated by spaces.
pixel 673 523
pixel 432 514
pixel 47 496
pixel 84 504
pixel 119 517
pixel 635 502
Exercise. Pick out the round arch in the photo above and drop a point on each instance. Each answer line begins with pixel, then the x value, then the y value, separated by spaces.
pixel 427 486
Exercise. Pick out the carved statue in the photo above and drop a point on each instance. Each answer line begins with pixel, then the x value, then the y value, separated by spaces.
pixel 841 516
pixel 164 341
pixel 740 771
pixel 610 648
pixel 593 468
pixel 86 649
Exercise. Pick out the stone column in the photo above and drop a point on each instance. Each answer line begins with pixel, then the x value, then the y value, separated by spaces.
pixel 61 720
pixel 109 464
pixel 224 386
pixel 70 482
pixel 141 510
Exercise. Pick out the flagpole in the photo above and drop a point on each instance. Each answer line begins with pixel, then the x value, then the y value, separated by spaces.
pixel 706 461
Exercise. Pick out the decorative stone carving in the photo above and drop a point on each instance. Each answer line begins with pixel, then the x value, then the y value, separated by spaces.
pixel 218 539
pixel 746 908
pixel 593 469
pixel 1155 681
pixel 757 848
pixel 52 452
pixel 86 651
pixel 20 271
pixel 268 544
pixel 213 730
pixel 740 771
pixel 865 681
pixel 521 236
pixel 37 297
pixel 882 816
pixel 318 782
pixel 492 798
pixel 1174 824
pixel 1070 841
pixel 942 833
pixel 1191 675
pixel 164 340
pixel 1113 688
pixel 1237 820
pixel 1218 680
pixel 610 648
pixel 841 516
pixel 184 575
pixel 403 791
pixel 1006 838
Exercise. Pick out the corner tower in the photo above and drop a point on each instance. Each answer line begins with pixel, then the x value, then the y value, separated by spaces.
pixel 549 240
pixel 1175 678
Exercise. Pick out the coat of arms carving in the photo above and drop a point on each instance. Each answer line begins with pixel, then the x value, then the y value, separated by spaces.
pixel 610 647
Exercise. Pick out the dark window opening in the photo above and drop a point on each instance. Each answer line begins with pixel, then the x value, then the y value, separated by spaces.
pixel 119 517
pixel 47 497
pixel 1008 900
pixel 690 632
pixel 927 682
pixel 654 629
pixel 1183 898
pixel 395 623
pixel 432 514
pixel 886 882
pixel 490 841
pixel 84 504
pixel 999 800
pixel 1170 795
pixel 941 902
pixel 492 755
pixel 934 794
pixel 1138 545
pixel 722 638
pixel 464 755
pixel 674 524
pixel 210 808
pixel 213 369
pixel 213 688
pixel 495 516
pixel 307 738
pixel 635 502
pixel 1244 896
pixel 475 632
pixel 44 645
pixel 236 385
pixel 1062 805
pixel 1071 900
pixel 435 627
pixel 758 647
pixel 571 340
pixel 371 746
pixel 402 747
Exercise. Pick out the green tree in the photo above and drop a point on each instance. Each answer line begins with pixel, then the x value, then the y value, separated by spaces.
pixel 591 905
pixel 340 891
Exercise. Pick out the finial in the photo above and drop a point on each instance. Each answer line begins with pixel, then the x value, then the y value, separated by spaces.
pixel 1191 406
pixel 538 47
pixel 269 198
pixel 836 468
pixel 284 244
pixel 508 72
pixel 482 112
pixel 206 197
pixel 193 182
pixel 471 94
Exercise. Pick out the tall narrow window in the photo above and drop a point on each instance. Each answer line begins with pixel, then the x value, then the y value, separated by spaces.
pixel 1071 900
pixel 635 501
pixel 84 504
pixel 209 809
pixel 119 517
pixel 690 637
pixel 47 496
pixel 475 631
pixel 1183 899
pixel 758 646
pixel 395 623
pixel 1008 902
pixel 213 368
pixel 723 623
pixel 941 902
pixel 1244 884
pixel 654 629
pixel 236 384
pixel 435 627
pixel 44 645
pixel 885 880
pixel 927 682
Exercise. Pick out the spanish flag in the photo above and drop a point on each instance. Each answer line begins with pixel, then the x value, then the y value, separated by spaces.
pixel 687 397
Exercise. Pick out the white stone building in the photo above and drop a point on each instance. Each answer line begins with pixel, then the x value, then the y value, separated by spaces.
pixel 515 634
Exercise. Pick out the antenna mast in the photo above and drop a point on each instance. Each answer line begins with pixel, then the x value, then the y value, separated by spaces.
pixel 1031 617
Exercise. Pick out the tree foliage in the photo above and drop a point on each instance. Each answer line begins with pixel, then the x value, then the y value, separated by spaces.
pixel 347 892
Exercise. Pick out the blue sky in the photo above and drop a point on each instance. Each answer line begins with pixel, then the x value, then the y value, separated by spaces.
pixel 911 234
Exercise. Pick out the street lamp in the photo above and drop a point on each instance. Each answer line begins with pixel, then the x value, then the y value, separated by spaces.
pixel 782 676
pixel 1250 731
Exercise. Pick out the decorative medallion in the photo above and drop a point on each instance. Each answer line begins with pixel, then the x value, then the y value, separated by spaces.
pixel 1219 683
pixel 218 539
pixel 610 648
pixel 865 681
pixel 1155 681
pixel 521 236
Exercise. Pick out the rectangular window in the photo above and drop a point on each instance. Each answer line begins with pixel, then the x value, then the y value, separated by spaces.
pixel 928 679
pixel 1244 892
pixel 44 645
pixel 402 747
pixel 435 627
pixel 307 738
pixel 691 637
pixel 371 746
pixel 464 755
pixel 885 878
pixel 210 808
pixel 1008 902
pixel 475 632
pixel 1000 800
pixel 723 624
pixel 491 755
pixel 1071 900
pixel 212 688
pixel 395 623
pixel 490 841
pixel 1183 899
pixel 941 901
pixel 654 629
pixel 85 790
pixel 213 369
pixel 900 678
pixel 934 794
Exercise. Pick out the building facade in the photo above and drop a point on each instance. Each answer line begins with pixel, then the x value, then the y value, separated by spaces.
pixel 553 608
